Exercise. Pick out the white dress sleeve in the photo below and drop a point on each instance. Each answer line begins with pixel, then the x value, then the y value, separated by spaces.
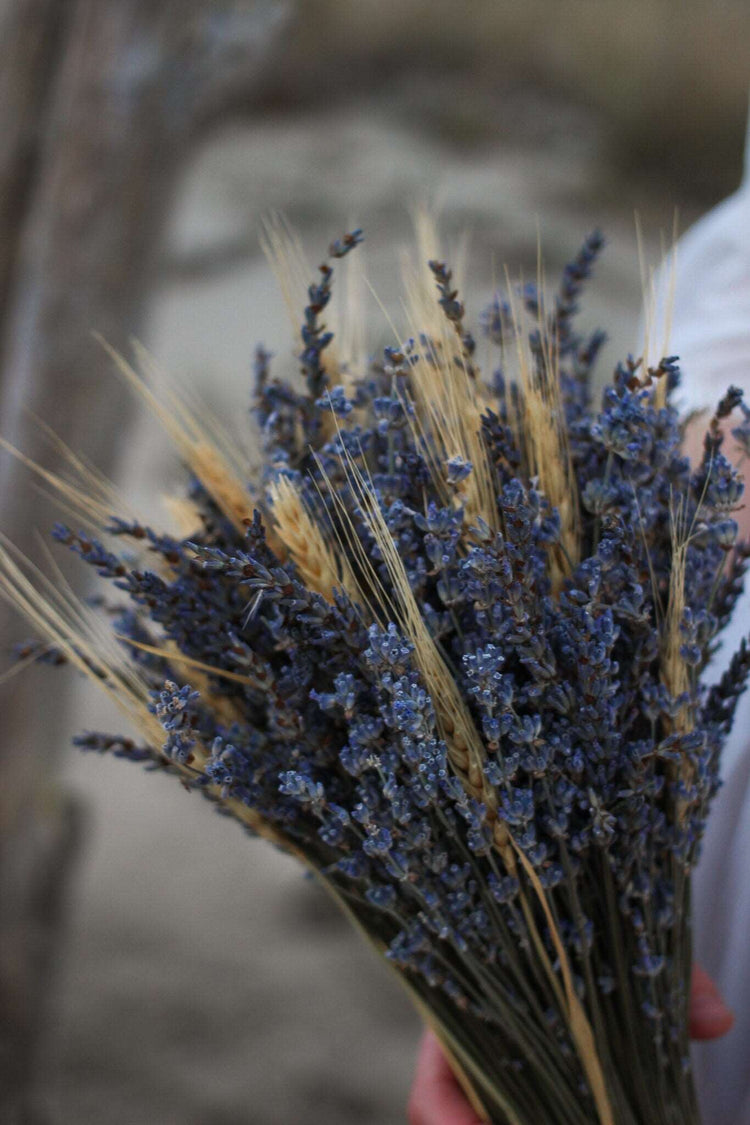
pixel 711 335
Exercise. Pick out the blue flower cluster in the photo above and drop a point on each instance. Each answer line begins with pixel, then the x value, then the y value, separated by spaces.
pixel 593 745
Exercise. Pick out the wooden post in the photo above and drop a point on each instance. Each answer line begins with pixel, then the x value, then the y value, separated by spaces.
pixel 101 101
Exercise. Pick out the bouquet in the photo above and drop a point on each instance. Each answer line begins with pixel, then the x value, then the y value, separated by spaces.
pixel 446 649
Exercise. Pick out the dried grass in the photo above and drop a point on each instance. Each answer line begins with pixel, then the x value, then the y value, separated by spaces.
pixel 321 567
pixel 447 398
pixel 88 496
pixel 543 438
pixel 213 458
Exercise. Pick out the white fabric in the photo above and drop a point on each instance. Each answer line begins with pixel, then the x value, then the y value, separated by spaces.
pixel 711 335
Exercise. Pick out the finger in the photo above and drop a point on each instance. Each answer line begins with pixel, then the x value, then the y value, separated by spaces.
pixel 436 1097
pixel 710 1018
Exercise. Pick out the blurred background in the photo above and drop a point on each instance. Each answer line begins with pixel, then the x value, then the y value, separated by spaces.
pixel 155 965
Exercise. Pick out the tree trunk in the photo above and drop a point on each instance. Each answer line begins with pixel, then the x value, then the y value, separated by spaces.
pixel 100 103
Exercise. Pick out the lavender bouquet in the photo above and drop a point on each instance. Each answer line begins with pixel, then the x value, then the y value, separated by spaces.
pixel 447 651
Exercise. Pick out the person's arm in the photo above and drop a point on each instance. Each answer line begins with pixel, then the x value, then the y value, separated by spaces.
pixel 436 1097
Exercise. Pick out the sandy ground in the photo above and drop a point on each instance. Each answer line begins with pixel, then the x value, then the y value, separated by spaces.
pixel 204 981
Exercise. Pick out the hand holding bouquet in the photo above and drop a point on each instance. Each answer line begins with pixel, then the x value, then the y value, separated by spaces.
pixel 437 1099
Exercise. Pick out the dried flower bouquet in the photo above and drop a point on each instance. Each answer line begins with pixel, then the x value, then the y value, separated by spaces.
pixel 447 650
